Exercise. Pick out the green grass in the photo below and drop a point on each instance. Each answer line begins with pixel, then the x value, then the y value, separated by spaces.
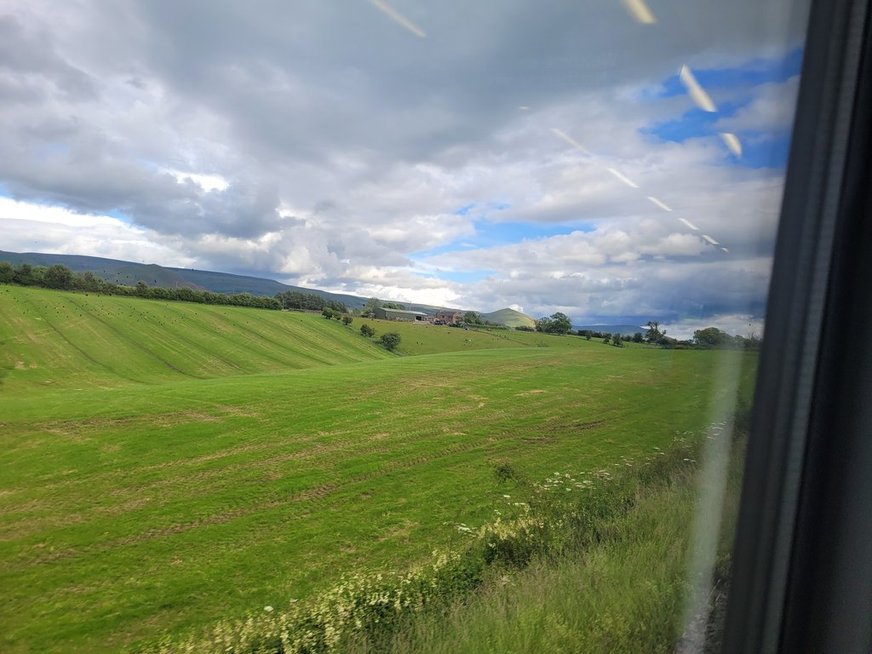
pixel 621 595
pixel 624 592
pixel 169 465
pixel 75 340
pixel 420 338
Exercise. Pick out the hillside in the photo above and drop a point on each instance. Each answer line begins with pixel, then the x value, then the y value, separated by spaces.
pixel 64 339
pixel 509 317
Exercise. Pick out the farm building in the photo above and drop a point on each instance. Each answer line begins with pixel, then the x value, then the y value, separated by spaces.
pixel 401 315
pixel 448 318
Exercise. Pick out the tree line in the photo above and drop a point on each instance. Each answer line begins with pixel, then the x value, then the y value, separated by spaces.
pixel 708 338
pixel 60 277
pixel 299 301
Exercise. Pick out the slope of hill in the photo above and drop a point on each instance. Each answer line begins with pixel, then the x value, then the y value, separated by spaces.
pixel 65 339
pixel 509 318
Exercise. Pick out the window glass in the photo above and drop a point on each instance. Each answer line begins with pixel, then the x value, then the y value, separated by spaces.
pixel 384 325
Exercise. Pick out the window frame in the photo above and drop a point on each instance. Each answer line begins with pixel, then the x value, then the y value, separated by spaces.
pixel 802 561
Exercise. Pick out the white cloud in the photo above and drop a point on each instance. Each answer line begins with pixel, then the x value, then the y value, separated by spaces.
pixel 30 227
pixel 770 110
pixel 205 182
pixel 327 147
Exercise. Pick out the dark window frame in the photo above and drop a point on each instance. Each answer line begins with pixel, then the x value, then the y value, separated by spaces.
pixel 802 563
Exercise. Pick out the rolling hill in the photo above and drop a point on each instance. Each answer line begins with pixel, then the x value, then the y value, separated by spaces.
pixel 509 318
pixel 62 339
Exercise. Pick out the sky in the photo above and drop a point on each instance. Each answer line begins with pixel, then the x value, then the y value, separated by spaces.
pixel 545 155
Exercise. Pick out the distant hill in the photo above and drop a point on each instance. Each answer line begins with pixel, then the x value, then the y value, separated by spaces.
pixel 129 272
pixel 509 317
pixel 623 330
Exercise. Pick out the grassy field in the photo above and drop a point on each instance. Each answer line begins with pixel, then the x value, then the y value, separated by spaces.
pixel 623 591
pixel 167 465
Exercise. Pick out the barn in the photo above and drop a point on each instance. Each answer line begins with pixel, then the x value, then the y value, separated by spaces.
pixel 401 315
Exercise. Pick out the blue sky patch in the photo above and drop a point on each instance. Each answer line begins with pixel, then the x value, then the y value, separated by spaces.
pixel 493 234
pixel 760 150
pixel 481 209
pixel 753 73
pixel 120 215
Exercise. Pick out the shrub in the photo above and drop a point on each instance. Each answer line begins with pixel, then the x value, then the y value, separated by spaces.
pixel 504 472
pixel 347 320
pixel 390 340
pixel 366 330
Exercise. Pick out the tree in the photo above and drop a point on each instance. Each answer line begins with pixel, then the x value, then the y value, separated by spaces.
pixel 472 318
pixel 141 288
pixel 390 340
pixel 366 330
pixel 327 312
pixel 654 334
pixel 393 305
pixel 369 308
pixel 712 337
pixel 638 337
pixel 26 275
pixel 558 323
pixel 347 320
pixel 7 272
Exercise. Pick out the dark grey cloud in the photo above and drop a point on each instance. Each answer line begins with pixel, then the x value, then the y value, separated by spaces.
pixel 29 60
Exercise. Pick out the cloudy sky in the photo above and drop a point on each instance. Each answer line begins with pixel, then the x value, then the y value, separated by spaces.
pixel 542 154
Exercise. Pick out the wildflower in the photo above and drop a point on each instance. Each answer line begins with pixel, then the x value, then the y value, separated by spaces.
pixel 268 609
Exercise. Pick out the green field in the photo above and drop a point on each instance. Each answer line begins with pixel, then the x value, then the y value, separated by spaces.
pixel 167 465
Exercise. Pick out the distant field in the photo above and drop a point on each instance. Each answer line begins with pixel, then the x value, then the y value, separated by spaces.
pixel 167 465
pixel 435 339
